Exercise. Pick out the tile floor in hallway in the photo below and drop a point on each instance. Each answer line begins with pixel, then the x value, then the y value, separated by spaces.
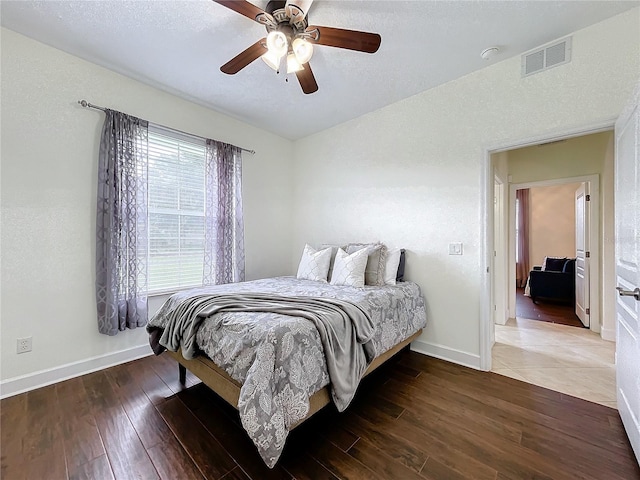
pixel 566 359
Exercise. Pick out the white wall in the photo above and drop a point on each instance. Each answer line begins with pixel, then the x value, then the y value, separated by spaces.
pixel 552 229
pixel 410 174
pixel 49 162
pixel 500 238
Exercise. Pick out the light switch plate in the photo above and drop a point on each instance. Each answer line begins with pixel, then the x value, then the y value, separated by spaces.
pixel 455 249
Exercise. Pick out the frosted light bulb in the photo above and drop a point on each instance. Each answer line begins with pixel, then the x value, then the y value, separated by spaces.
pixel 272 60
pixel 292 64
pixel 303 50
pixel 277 43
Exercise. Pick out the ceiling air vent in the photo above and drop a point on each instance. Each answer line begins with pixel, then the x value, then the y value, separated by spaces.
pixel 546 57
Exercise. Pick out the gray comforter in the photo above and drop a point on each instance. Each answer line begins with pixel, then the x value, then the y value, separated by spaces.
pixel 279 359
pixel 345 331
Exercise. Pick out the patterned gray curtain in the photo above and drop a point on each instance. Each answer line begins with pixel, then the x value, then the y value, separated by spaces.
pixel 121 224
pixel 223 225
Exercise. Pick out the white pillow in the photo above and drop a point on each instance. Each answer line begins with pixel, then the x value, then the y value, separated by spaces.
pixel 349 269
pixel 314 264
pixel 334 249
pixel 391 266
pixel 374 272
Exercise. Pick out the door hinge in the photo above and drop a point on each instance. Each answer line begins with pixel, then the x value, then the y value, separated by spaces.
pixel 587 254
pixel 588 311
pixel 587 198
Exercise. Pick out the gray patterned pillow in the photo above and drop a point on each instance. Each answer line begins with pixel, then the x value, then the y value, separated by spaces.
pixel 377 253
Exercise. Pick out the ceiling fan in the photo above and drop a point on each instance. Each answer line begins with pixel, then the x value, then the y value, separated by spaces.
pixel 290 37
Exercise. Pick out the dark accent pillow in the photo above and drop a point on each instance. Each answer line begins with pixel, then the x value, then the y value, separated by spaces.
pixel 555 264
pixel 569 266
pixel 400 275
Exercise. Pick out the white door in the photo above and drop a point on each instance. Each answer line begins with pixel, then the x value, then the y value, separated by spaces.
pixel 627 240
pixel 582 254
pixel 499 254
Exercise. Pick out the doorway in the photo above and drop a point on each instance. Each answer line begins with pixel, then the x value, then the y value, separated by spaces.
pixel 543 164
pixel 551 230
pixel 528 338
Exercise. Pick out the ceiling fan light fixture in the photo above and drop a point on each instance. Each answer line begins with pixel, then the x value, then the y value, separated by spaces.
pixel 293 65
pixel 287 24
pixel 277 43
pixel 302 49
pixel 272 60
pixel 298 8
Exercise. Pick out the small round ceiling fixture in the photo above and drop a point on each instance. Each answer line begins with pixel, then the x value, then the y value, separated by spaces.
pixel 489 53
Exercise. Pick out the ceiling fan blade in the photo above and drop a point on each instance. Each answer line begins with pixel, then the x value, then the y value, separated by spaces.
pixel 341 38
pixel 307 80
pixel 298 9
pixel 249 10
pixel 243 59
pixel 243 7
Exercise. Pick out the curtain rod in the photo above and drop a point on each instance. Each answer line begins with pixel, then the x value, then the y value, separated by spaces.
pixel 86 104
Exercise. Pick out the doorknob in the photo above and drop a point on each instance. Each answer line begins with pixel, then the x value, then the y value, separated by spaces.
pixel 629 293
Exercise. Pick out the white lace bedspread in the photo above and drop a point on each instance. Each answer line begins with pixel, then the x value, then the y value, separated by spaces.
pixel 279 359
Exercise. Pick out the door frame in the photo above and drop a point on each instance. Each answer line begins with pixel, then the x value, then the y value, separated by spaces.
pixel 594 242
pixel 500 249
pixel 487 222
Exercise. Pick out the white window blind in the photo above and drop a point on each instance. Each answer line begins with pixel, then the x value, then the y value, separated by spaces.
pixel 176 210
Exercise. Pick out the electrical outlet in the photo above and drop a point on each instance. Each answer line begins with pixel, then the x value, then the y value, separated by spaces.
pixel 455 249
pixel 25 344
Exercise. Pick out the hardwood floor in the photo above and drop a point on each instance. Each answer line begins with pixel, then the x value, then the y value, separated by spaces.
pixel 546 310
pixel 415 418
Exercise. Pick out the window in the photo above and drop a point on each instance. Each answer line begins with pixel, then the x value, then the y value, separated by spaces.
pixel 176 210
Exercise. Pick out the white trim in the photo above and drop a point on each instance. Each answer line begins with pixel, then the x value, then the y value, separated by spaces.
pixel 549 137
pixel 558 181
pixel 608 334
pixel 446 353
pixel 501 315
pixel 487 232
pixel 42 378
pixel 486 253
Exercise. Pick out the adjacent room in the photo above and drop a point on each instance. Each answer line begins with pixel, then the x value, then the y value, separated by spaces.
pixel 552 229
pixel 281 239
pixel 548 340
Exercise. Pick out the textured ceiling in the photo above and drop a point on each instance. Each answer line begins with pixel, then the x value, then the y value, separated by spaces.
pixel 179 46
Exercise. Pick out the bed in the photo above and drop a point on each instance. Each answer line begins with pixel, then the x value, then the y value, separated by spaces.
pixel 276 366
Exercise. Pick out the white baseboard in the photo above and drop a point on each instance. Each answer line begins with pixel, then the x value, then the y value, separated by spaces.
pixel 608 334
pixel 42 378
pixel 446 353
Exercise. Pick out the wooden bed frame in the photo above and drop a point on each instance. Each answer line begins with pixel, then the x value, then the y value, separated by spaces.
pixel 221 383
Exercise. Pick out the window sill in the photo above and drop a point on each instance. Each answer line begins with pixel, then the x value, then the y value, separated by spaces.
pixel 162 293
